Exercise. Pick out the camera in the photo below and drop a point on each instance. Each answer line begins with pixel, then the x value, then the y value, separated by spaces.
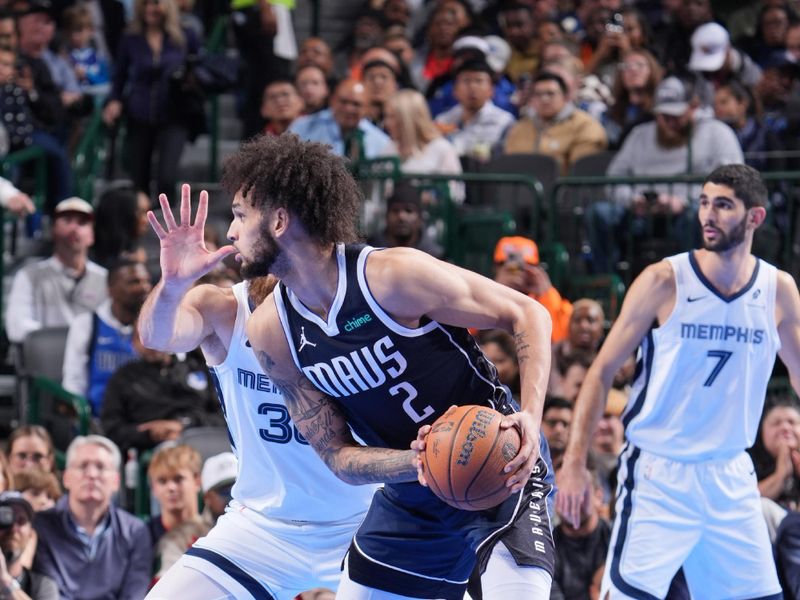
pixel 6 517
pixel 614 24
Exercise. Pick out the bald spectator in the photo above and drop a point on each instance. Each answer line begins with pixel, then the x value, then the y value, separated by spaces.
pixel 583 338
pixel 52 292
pixel 280 106
pixel 344 126
pixel 555 126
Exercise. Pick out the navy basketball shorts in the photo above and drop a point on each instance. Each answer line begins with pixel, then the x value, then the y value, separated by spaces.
pixel 411 543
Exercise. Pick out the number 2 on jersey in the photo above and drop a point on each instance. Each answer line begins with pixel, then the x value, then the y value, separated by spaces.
pixel 722 357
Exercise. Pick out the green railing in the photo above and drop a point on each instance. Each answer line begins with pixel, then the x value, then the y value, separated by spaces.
pixel 571 196
pixel 90 154
pixel 452 215
pixel 215 44
pixel 76 404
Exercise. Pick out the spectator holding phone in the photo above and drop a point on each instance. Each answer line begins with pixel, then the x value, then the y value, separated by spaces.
pixel 517 266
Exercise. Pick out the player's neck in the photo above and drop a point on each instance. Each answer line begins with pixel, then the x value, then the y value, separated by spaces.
pixel 314 277
pixel 728 271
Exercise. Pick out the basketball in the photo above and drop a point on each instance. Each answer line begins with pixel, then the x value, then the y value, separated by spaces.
pixel 465 454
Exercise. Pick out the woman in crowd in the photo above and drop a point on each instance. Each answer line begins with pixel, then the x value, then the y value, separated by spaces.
pixel 31 447
pixel 776 452
pixel 634 90
pixel 146 87
pixel 120 223
pixel 417 141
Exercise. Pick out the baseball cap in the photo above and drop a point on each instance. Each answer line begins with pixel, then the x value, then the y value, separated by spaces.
pixel 471 42
pixel 671 97
pixel 710 43
pixel 76 205
pixel 516 246
pixel 499 52
pixel 28 7
pixel 12 498
pixel 218 470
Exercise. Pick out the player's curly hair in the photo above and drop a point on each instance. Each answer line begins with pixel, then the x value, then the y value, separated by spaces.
pixel 306 178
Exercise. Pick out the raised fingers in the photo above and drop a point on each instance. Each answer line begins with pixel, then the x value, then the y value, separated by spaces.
pixel 202 210
pixel 167 212
pixel 186 204
pixel 151 217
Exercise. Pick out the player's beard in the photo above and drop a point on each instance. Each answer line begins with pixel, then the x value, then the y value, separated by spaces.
pixel 726 241
pixel 268 259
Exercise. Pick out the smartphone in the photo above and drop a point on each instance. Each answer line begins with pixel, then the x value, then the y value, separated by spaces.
pixel 614 24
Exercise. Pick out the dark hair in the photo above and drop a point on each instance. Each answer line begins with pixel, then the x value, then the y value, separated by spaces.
pixel 563 361
pixel 305 178
pixel 502 338
pixel 745 182
pixel 118 264
pixel 514 5
pixel 475 66
pixel 556 402
pixel 282 81
pixel 115 218
pixel 548 76
pixel 378 63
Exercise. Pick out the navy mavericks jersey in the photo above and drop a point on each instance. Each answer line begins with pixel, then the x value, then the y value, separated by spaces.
pixel 389 379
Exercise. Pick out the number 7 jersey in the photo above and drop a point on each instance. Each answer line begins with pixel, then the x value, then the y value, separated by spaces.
pixel 389 379
pixel 701 377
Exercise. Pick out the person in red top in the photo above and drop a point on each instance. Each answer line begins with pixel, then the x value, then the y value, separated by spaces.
pixel 517 266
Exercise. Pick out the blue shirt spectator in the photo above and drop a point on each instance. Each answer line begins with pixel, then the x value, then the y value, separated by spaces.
pixel 91 548
pixel 343 126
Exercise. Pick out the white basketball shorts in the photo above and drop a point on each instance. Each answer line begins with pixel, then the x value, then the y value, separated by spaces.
pixel 253 556
pixel 705 517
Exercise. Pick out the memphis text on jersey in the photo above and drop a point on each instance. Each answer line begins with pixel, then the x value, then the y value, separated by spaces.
pixel 704 331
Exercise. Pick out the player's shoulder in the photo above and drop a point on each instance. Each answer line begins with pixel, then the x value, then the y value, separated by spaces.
pixel 657 277
pixel 785 283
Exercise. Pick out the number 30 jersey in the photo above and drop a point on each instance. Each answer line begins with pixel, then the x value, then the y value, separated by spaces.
pixel 701 377
pixel 280 475
pixel 389 379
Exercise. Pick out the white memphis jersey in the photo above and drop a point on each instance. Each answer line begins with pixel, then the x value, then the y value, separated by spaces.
pixel 280 475
pixel 701 377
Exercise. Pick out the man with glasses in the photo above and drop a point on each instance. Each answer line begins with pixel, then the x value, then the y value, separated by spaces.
pixel 554 125
pixel 91 548
pixel 16 532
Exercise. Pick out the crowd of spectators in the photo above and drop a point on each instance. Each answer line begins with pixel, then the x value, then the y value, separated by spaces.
pixel 442 86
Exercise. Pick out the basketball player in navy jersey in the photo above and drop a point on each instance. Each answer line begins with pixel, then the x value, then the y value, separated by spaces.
pixel 373 343
pixel 290 519
pixel 708 323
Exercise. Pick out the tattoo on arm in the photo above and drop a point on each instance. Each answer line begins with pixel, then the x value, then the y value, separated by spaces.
pixel 522 346
pixel 264 360
pixel 324 425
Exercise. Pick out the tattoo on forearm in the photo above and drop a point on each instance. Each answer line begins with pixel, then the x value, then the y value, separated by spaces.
pixel 323 424
pixel 522 346
pixel 264 360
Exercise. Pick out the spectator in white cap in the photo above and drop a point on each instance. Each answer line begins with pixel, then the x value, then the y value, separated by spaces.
pixel 717 62
pixel 216 479
pixel 470 47
pixel 53 291
pixel 660 148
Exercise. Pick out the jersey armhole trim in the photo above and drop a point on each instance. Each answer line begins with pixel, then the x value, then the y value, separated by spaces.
pixel 242 313
pixel 384 317
pixel 284 318
pixel 674 263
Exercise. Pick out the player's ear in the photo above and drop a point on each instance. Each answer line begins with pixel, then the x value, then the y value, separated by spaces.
pixel 757 215
pixel 280 221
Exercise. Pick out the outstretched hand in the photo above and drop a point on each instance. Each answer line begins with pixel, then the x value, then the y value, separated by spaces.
pixel 184 257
